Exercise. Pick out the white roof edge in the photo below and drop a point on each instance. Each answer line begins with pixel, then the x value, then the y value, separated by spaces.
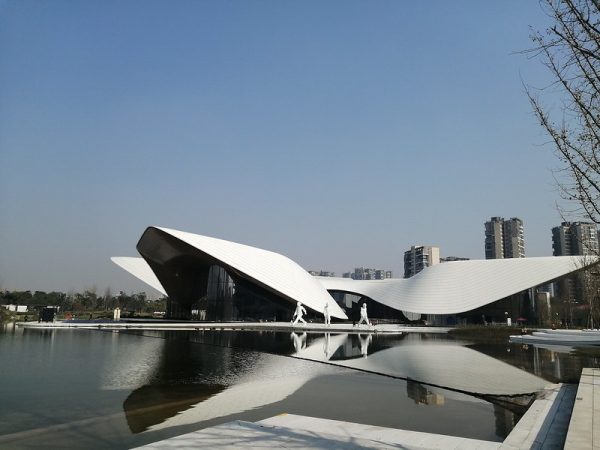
pixel 278 272
pixel 140 269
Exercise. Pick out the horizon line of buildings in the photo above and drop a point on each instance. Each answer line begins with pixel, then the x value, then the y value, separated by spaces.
pixel 504 238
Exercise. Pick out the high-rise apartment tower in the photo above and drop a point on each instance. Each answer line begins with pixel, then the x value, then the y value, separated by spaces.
pixel 574 238
pixel 419 257
pixel 504 238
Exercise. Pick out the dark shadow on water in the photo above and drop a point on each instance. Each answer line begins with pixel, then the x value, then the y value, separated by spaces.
pixel 151 405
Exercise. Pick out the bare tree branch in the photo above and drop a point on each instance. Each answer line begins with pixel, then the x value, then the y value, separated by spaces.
pixel 570 49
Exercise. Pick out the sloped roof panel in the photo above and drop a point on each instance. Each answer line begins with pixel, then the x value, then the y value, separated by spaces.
pixel 459 286
pixel 139 268
pixel 276 271
pixel 447 288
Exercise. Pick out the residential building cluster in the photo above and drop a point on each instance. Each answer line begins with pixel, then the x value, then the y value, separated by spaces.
pixel 574 238
pixel 360 273
pixel 365 273
pixel 419 257
pixel 321 273
pixel 504 238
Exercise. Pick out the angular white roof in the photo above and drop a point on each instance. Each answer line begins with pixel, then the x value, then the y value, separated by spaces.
pixel 139 268
pixel 272 270
pixel 447 288
pixel 459 286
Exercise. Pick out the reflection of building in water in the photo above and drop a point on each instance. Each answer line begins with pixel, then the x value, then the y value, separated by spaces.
pixel 556 364
pixel 505 420
pixel 298 341
pixel 422 396
pixel 151 405
pixel 354 346
pixel 365 340
pixel 326 344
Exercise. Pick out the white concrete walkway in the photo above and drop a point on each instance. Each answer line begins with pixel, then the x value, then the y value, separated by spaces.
pixel 544 426
pixel 248 326
pixel 300 432
pixel 584 429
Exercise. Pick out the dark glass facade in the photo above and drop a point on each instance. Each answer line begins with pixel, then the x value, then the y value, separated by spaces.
pixel 351 304
pixel 230 298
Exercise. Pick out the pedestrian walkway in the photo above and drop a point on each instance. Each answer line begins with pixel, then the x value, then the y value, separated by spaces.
pixel 584 429
pixel 544 426
pixel 247 326
pixel 301 432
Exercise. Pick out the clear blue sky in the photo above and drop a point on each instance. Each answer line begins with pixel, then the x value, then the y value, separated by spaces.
pixel 335 132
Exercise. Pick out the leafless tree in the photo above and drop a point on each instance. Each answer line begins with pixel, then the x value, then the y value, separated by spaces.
pixel 570 49
pixel 107 298
pixel 588 282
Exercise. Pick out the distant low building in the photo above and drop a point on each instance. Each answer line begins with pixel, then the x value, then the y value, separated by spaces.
pixel 16 308
pixel 365 273
pixel 321 273
pixel 452 259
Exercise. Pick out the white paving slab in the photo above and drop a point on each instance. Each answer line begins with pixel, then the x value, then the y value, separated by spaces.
pixel 238 434
pixel 584 429
pixel 301 432
pixel 545 424
pixel 380 435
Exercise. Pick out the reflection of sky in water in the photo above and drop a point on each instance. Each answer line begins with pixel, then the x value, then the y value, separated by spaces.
pixel 51 377
pixel 129 363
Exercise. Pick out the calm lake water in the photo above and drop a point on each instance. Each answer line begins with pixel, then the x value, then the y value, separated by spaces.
pixel 99 389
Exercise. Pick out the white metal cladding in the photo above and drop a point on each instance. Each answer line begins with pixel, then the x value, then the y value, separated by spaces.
pixel 459 286
pixel 271 269
pixel 139 268
pixel 276 271
pixel 447 288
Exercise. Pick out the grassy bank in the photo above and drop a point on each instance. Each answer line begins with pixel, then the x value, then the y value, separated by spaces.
pixel 484 333
pixel 4 315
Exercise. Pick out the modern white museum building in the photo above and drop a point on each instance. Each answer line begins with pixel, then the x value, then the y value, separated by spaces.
pixel 224 280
